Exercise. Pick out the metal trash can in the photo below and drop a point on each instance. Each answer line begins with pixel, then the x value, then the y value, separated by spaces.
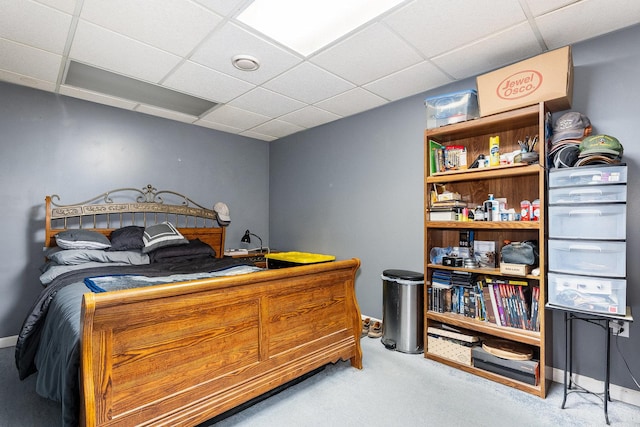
pixel 402 315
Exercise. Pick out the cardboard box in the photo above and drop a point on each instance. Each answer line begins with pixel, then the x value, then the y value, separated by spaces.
pixel 547 77
pixel 449 349
pixel 515 269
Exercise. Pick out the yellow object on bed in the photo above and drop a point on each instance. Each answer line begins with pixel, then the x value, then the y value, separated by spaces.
pixel 292 259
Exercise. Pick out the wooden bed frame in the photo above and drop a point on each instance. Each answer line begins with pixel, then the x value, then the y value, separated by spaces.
pixel 182 353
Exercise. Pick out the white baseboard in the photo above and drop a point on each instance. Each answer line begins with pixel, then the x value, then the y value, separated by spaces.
pixel 621 394
pixel 8 341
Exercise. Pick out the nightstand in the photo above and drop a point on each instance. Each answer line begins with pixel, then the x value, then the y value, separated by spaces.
pixel 255 257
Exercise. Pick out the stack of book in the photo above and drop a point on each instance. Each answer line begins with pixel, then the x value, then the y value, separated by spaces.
pixel 511 303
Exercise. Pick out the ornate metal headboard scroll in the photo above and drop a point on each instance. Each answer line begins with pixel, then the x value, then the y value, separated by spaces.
pixel 103 212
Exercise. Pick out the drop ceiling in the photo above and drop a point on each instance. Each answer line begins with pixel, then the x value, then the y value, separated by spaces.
pixel 187 46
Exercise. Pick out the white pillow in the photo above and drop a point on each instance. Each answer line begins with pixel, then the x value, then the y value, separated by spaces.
pixel 161 235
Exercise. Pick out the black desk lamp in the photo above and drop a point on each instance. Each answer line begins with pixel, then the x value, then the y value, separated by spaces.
pixel 247 238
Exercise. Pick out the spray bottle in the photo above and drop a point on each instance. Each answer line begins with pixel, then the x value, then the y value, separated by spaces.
pixel 494 151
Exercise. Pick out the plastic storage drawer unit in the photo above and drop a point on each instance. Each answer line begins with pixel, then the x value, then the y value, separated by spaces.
pixel 588 257
pixel 594 194
pixel 588 175
pixel 588 222
pixel 598 294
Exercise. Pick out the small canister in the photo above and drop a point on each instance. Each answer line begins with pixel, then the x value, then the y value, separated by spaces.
pixel 535 209
pixel 525 210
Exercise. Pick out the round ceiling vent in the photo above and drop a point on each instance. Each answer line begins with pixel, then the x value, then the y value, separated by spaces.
pixel 245 62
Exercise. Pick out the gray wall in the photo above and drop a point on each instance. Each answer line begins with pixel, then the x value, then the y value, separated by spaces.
pixel 59 145
pixel 354 188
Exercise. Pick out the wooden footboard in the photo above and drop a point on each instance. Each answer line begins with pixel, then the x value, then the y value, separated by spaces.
pixel 180 354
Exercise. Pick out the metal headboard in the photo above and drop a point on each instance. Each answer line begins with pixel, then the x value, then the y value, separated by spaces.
pixel 127 206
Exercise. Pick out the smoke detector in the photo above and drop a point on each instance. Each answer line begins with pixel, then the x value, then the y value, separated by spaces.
pixel 245 62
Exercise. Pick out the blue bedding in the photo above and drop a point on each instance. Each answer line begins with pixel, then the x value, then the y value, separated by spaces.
pixel 49 339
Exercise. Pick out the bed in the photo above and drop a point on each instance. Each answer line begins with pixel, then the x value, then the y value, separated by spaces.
pixel 191 338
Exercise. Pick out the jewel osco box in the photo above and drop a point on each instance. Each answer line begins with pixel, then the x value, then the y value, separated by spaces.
pixel 547 77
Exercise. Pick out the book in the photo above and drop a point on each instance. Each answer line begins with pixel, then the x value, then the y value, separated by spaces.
pixel 434 149
pixel 494 305
pixel 501 309
pixel 489 304
pixel 485 253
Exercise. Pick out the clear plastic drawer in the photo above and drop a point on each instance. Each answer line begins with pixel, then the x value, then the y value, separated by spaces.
pixel 588 257
pixel 588 175
pixel 595 194
pixel 601 295
pixel 606 222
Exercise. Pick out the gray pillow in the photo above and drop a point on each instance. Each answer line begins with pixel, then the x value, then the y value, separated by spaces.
pixel 81 256
pixel 82 239
pixel 127 238
pixel 161 235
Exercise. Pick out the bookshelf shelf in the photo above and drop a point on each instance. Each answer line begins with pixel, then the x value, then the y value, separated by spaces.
pixel 513 182
pixel 482 327
pixel 484 225
pixel 495 272
pixel 486 374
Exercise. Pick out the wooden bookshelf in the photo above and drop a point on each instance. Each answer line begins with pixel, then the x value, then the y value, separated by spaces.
pixel 515 182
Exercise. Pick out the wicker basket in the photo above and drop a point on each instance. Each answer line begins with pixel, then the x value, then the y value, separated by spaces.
pixel 449 350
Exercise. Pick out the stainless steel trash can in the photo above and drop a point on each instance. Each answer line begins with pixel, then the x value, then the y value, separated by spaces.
pixel 402 314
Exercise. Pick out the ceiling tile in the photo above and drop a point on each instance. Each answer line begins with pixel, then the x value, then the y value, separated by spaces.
pixel 35 25
pixel 309 117
pixel 217 126
pixel 435 27
pixel 539 7
pixel 176 26
pixel 18 79
pixel 352 102
pixel 596 17
pixel 235 117
pixel 206 83
pixel 410 81
pixel 167 114
pixel 277 128
pixel 256 135
pixel 308 83
pixel 88 95
pixel 372 53
pixel 29 61
pixel 231 40
pixel 222 7
pixel 96 46
pixel 500 49
pixel 67 6
pixel 266 102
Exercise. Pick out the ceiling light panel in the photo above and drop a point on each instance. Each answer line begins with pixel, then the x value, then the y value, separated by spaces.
pixel 308 26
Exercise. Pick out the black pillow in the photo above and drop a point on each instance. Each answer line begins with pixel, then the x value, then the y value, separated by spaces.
pixel 195 249
pixel 127 238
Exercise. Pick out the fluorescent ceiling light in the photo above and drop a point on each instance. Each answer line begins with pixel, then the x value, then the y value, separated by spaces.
pixel 101 81
pixel 306 26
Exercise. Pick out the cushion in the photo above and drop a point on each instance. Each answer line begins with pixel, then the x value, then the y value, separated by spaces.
pixel 82 239
pixel 127 238
pixel 194 250
pixel 161 235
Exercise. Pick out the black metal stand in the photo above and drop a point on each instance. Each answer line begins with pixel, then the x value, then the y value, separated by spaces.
pixel 598 319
